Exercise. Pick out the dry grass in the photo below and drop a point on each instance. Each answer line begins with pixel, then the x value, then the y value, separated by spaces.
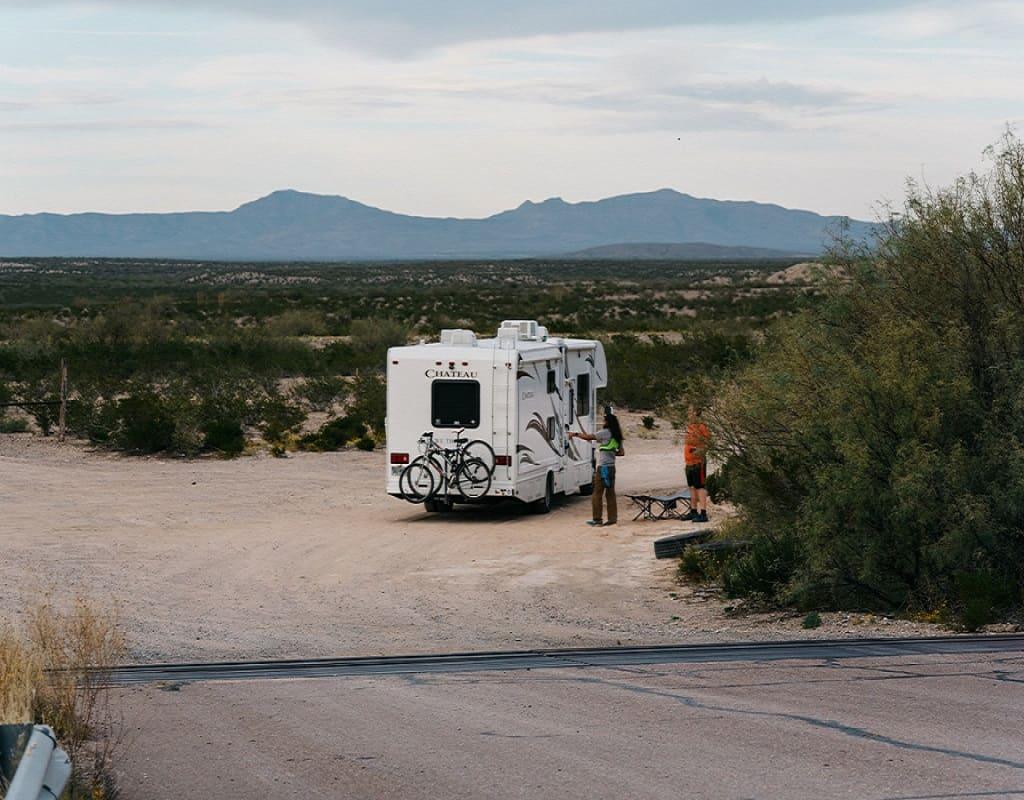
pixel 53 673
pixel 20 676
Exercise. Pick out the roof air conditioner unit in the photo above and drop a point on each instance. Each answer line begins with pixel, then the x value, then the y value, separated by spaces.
pixel 458 337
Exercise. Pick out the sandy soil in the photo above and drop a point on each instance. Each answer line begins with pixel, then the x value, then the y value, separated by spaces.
pixel 306 556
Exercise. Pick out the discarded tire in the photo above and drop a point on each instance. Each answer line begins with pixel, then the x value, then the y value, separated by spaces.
pixel 672 546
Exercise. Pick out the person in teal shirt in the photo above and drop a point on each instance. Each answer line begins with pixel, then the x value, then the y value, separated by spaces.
pixel 609 446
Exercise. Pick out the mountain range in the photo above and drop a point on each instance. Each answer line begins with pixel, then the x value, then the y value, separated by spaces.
pixel 296 226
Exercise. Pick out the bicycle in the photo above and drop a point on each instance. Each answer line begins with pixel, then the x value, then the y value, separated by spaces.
pixel 468 466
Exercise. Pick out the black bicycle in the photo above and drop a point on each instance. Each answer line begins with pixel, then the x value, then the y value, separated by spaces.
pixel 468 467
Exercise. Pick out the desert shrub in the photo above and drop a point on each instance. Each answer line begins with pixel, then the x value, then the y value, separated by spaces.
pixel 223 433
pixel 652 372
pixel 691 565
pixel 884 427
pixel 365 443
pixel 297 322
pixel 648 422
pixel 13 425
pixel 279 419
pixel 335 434
pixel 982 596
pixel 811 621
pixel 702 566
pixel 765 568
pixel 369 399
pixel 145 423
pixel 372 337
pixel 323 392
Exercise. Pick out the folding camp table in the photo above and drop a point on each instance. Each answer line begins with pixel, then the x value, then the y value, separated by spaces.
pixel 672 506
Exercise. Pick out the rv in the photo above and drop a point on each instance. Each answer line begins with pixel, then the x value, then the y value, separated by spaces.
pixel 520 392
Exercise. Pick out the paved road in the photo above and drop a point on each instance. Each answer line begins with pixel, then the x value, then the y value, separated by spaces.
pixel 906 726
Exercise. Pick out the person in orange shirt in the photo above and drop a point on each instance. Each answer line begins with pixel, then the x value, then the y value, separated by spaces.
pixel 695 448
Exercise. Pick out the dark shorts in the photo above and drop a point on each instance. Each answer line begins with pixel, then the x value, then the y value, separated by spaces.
pixel 696 474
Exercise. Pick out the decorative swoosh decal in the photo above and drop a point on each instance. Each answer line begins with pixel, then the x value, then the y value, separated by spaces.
pixel 525 455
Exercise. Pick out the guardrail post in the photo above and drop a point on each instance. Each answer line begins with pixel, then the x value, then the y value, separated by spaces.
pixel 43 771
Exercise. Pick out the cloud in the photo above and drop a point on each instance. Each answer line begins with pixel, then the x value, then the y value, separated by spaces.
pixel 779 94
pixel 104 126
pixel 399 26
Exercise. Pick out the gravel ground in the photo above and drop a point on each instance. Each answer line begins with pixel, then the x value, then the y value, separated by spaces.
pixel 305 556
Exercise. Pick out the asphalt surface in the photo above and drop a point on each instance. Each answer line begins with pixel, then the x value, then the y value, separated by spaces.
pixel 563 658
pixel 909 725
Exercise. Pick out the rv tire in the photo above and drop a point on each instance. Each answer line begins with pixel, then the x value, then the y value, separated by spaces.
pixel 587 489
pixel 543 506
pixel 434 506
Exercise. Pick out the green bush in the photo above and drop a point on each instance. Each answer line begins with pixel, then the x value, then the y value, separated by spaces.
pixel 323 392
pixel 372 337
pixel 702 566
pixel 145 424
pixel 278 419
pixel 884 428
pixel 369 399
pixel 982 595
pixel 13 425
pixel 691 565
pixel 335 434
pixel 811 621
pixel 765 568
pixel 224 434
pixel 365 443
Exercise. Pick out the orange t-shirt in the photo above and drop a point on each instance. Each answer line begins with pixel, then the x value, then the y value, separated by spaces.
pixel 695 445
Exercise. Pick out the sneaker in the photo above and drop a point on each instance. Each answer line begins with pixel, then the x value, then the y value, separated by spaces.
pixel 595 523
pixel 702 516
pixel 690 516
pixel 609 522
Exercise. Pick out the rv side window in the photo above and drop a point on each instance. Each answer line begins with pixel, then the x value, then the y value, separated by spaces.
pixel 552 385
pixel 552 429
pixel 582 395
pixel 455 404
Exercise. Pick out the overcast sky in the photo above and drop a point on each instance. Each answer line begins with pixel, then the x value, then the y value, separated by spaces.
pixel 462 108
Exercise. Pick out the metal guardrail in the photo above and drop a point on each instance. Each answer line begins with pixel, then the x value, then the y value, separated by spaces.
pixel 43 769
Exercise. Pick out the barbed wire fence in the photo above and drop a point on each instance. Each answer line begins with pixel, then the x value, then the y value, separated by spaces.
pixel 61 403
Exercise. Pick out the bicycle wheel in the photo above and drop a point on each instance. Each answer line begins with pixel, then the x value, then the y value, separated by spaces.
pixel 473 479
pixel 481 451
pixel 417 482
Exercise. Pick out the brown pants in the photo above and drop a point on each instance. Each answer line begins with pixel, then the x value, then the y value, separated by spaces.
pixel 602 491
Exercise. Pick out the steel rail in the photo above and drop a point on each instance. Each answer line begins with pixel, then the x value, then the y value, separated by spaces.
pixel 818 649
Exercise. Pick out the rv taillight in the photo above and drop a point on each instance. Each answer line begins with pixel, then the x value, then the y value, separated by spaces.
pixel 503 461
pixel 399 458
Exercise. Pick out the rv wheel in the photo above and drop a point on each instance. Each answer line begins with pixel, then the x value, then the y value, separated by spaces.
pixel 543 506
pixel 436 506
pixel 587 489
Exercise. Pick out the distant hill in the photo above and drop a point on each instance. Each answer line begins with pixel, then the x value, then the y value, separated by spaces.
pixel 685 251
pixel 290 225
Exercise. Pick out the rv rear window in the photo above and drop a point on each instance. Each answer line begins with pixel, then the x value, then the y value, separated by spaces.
pixel 455 404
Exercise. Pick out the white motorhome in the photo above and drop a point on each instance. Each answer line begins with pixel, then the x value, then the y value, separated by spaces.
pixel 520 392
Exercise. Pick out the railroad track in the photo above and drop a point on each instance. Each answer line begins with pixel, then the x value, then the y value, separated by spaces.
pixel 821 649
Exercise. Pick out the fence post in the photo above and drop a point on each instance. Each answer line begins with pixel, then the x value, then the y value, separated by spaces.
pixel 62 419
